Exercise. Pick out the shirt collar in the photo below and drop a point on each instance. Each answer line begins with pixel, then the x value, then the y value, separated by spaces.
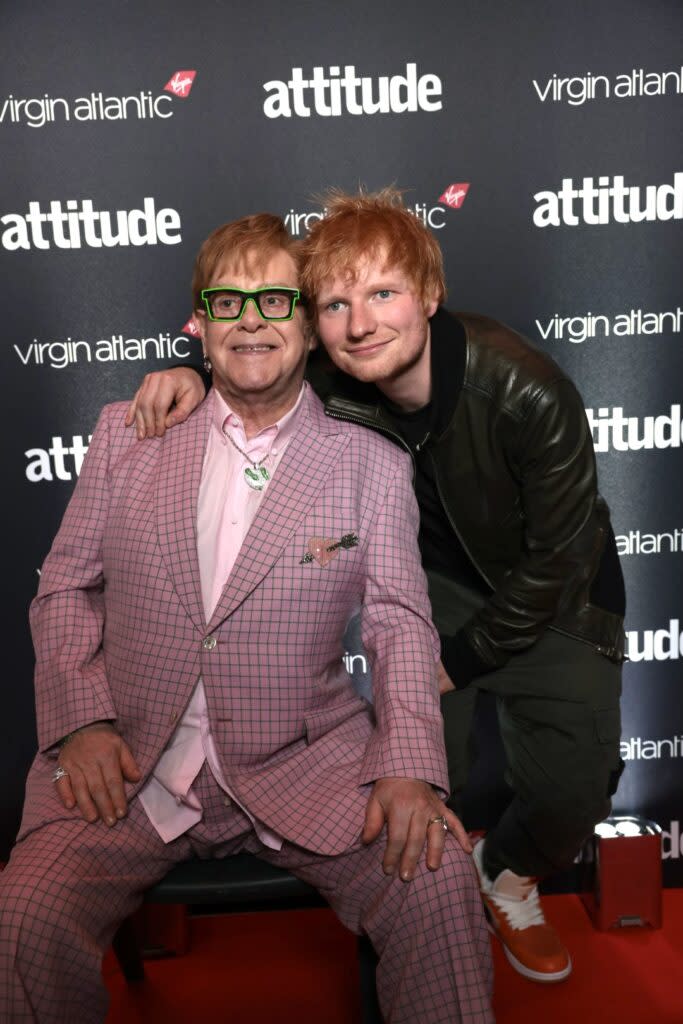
pixel 283 429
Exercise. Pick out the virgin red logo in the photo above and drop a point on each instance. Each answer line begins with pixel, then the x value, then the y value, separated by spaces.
pixel 191 328
pixel 180 84
pixel 454 196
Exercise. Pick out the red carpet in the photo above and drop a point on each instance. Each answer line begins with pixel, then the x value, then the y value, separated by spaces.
pixel 300 968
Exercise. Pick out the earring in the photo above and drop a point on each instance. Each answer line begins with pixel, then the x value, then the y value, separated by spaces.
pixel 207 364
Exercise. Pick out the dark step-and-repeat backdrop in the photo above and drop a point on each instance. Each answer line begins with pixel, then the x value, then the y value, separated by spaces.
pixel 540 141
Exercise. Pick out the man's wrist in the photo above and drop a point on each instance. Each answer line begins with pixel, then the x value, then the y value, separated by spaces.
pixel 70 735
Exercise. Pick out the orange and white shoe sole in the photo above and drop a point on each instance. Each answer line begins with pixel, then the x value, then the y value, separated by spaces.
pixel 545 977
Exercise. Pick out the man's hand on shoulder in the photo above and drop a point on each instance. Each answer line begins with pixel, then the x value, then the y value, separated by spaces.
pixel 96 761
pixel 409 808
pixel 153 410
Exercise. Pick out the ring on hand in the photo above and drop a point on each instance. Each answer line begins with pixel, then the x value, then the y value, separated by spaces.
pixel 441 820
pixel 59 773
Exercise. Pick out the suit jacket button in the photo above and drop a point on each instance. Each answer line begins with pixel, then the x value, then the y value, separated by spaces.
pixel 209 642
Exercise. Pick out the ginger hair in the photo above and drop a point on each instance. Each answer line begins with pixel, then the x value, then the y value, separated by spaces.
pixel 370 225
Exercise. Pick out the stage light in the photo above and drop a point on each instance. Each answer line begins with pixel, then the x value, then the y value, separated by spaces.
pixel 628 827
pixel 622 876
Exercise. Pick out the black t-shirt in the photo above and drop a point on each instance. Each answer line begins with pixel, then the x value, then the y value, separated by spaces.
pixel 440 546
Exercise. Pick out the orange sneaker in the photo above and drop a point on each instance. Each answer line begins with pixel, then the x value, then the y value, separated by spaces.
pixel 513 908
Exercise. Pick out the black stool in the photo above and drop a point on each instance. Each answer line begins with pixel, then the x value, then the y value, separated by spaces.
pixel 239 884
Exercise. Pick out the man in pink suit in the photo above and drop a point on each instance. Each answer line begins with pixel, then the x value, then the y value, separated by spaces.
pixel 191 696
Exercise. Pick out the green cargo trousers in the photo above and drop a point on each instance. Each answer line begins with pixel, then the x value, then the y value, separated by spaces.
pixel 558 710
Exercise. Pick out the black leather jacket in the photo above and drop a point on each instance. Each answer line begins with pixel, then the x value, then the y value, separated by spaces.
pixel 515 471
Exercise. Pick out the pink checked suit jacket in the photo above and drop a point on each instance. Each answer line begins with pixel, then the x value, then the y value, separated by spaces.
pixel 119 630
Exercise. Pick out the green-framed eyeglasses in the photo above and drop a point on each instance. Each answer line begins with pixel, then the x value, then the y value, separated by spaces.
pixel 225 303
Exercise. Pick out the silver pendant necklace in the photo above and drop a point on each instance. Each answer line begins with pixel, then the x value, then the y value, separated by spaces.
pixel 255 474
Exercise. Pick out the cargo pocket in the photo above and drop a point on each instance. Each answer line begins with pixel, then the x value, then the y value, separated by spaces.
pixel 608 730
pixel 607 725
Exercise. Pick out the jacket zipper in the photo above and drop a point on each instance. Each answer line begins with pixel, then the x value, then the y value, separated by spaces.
pixel 379 429
pixel 607 652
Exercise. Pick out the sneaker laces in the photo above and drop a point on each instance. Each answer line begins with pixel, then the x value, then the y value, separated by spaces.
pixel 521 912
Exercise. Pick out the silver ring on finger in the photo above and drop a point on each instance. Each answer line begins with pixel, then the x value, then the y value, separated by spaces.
pixel 441 820
pixel 59 773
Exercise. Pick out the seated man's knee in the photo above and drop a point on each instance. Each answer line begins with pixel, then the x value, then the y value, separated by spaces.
pixel 455 881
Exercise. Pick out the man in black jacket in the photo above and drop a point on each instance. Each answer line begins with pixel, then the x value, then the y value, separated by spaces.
pixel 526 587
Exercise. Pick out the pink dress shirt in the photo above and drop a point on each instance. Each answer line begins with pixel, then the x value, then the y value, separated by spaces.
pixel 226 508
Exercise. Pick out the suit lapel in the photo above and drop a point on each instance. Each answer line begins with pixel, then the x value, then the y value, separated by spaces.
pixel 180 472
pixel 310 456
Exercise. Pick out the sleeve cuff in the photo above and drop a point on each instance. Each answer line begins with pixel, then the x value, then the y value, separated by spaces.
pixel 461 661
